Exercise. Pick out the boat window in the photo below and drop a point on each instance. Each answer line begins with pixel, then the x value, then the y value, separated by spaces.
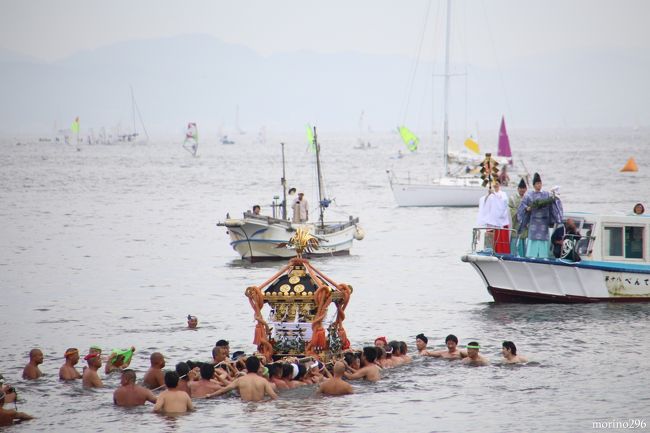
pixel 613 241
pixel 585 242
pixel 633 242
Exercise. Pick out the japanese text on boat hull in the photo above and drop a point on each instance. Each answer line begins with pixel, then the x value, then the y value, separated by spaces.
pixel 627 284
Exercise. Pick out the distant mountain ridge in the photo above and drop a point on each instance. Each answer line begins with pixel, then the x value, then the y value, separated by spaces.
pixel 200 78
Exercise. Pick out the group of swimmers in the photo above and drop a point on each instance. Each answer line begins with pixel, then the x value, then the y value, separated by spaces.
pixel 253 377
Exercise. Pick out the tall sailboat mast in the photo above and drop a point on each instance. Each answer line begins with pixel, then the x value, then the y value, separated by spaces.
pixel 320 181
pixel 284 187
pixel 133 131
pixel 446 91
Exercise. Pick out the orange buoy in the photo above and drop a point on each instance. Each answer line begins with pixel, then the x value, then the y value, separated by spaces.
pixel 630 165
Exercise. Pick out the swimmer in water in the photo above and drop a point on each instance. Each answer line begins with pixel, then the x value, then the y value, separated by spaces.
pixel 173 400
pixel 369 370
pixel 154 377
pixel 509 352
pixel 129 394
pixel 452 351
pixel 90 378
pixel 473 357
pixel 251 386
pixel 335 385
pixel 31 370
pixel 9 417
pixel 192 321
pixel 206 385
pixel 67 370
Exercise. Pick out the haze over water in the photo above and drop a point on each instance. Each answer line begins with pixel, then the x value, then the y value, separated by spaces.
pixel 115 245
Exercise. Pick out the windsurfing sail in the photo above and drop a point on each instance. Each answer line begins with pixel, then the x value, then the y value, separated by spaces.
pixel 191 143
pixel 504 141
pixel 75 130
pixel 310 138
pixel 409 138
pixel 472 145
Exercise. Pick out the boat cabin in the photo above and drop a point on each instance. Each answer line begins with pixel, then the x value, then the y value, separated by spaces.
pixel 613 238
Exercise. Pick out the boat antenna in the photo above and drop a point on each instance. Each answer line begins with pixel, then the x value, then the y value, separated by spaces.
pixel 283 181
pixel 320 180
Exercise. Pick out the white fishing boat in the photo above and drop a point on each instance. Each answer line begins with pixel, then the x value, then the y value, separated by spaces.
pixel 614 265
pixel 455 188
pixel 261 237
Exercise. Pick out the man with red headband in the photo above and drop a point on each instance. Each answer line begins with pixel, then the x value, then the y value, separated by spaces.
pixel 381 342
pixel 90 378
pixel 67 370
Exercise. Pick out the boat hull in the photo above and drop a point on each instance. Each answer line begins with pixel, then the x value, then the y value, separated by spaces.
pixel 259 239
pixel 439 194
pixel 514 279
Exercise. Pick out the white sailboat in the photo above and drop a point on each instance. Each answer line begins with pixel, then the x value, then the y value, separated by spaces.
pixel 261 237
pixel 132 136
pixel 451 189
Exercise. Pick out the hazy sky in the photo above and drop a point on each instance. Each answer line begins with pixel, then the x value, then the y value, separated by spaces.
pixel 51 30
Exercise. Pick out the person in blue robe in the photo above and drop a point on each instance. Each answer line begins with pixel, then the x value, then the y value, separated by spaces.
pixel 538 211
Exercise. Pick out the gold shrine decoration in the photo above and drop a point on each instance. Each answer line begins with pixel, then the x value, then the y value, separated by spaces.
pixel 303 241
pixel 489 170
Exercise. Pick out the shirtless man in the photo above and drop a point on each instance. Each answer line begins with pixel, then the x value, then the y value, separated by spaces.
pixel 129 394
pixel 335 385
pixel 205 385
pixel 31 370
pixel 403 349
pixel 173 400
pixel 252 386
pixel 8 417
pixel 381 342
pixel 509 352
pixel 396 358
pixel 452 351
pixel 370 370
pixel 473 357
pixel 225 345
pixel 421 342
pixel 185 376
pixel 154 377
pixel 67 370
pixel 90 378
pixel 275 376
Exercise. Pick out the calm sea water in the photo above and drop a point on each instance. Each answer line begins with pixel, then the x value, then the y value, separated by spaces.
pixel 115 245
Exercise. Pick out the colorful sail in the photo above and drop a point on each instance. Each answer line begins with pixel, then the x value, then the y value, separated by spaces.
pixel 504 141
pixel 472 145
pixel 409 138
pixel 310 138
pixel 75 126
pixel 191 143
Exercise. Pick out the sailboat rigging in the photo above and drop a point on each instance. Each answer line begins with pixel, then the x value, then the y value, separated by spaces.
pixel 460 189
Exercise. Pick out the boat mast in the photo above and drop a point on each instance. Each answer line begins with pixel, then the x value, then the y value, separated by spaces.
pixel 283 181
pixel 446 91
pixel 320 180
pixel 133 108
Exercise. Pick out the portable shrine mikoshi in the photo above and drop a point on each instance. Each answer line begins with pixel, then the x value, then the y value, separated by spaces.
pixel 300 296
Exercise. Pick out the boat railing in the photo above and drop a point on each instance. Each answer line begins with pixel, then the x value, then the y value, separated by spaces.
pixel 490 240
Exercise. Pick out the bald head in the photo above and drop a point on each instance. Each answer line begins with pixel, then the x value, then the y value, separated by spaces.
pixel 128 376
pixel 157 359
pixel 339 369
